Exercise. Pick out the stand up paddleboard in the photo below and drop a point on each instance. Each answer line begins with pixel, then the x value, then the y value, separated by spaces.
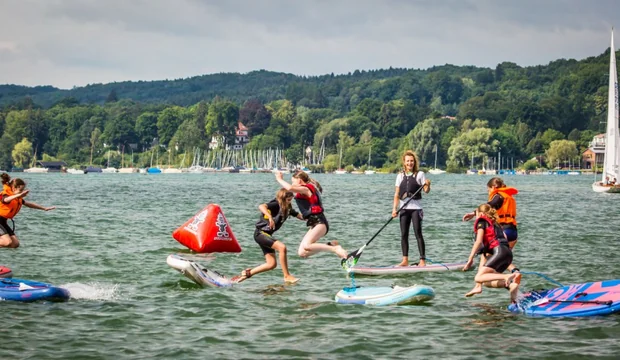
pixel 5 272
pixel 382 296
pixel 27 290
pixel 589 299
pixel 198 273
pixel 392 270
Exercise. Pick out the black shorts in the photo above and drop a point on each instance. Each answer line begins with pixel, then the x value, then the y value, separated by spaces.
pixel 265 241
pixel 5 228
pixel 500 259
pixel 314 220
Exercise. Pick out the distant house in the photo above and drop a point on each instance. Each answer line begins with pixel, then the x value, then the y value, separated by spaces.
pixel 53 166
pixel 216 141
pixel 242 138
pixel 594 155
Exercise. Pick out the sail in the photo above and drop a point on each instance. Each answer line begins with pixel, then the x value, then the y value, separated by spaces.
pixel 612 138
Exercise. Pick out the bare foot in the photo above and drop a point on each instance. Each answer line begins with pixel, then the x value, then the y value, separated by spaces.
pixel 290 279
pixel 476 290
pixel 513 278
pixel 422 263
pixel 245 274
pixel 332 243
pixel 513 286
pixel 342 253
pixel 403 263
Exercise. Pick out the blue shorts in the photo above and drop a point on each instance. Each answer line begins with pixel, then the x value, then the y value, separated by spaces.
pixel 511 232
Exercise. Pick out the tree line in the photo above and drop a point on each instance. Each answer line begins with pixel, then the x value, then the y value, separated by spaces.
pixel 550 112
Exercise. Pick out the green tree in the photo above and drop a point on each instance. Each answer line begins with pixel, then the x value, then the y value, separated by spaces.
pixel 560 151
pixel 222 119
pixel 168 122
pixel 477 143
pixel 22 153
pixel 146 128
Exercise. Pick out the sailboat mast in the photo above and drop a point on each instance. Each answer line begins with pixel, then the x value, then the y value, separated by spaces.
pixel 612 138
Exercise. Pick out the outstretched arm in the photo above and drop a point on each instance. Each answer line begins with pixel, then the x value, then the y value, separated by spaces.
pixel 38 207
pixel 296 189
pixel 474 249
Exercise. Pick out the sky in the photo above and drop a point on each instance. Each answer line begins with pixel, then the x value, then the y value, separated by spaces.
pixel 68 43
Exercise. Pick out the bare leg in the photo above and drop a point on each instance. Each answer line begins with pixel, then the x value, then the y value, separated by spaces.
pixel 309 245
pixel 9 241
pixel 511 245
pixel 270 264
pixel 478 287
pixel 281 249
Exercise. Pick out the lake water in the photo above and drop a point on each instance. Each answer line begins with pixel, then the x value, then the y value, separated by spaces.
pixel 109 238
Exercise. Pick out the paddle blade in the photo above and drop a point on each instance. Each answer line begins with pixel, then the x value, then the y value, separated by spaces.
pixel 352 259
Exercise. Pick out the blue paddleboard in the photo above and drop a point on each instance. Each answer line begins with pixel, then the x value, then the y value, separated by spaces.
pixel 381 296
pixel 589 299
pixel 27 290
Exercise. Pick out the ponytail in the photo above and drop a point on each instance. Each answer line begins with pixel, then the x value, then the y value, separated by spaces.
pixel 6 179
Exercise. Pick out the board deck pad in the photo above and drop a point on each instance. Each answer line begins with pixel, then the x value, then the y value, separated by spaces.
pixel 385 295
pixel 588 299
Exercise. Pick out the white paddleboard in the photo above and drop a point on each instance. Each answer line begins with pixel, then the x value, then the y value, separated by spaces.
pixel 382 296
pixel 392 270
pixel 198 273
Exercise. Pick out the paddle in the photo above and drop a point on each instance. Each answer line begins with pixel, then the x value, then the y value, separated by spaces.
pixel 544 301
pixel 354 256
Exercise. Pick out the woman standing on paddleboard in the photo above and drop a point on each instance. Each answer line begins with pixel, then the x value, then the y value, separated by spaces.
pixel 11 201
pixel 410 183
pixel 273 216
pixel 490 237
pixel 308 198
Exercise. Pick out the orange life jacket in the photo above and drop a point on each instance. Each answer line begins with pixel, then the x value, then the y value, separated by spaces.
pixel 8 211
pixel 507 214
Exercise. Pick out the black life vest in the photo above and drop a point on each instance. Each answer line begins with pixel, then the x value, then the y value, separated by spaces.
pixel 309 205
pixel 409 186
pixel 263 223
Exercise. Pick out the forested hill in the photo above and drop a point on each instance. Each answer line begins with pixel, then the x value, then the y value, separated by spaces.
pixel 468 114
pixel 454 84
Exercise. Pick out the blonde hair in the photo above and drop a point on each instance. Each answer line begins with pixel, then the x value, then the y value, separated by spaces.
pixel 281 197
pixel 487 210
pixel 415 160
pixel 302 175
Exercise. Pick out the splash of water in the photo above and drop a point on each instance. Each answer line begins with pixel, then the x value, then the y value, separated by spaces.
pixel 93 291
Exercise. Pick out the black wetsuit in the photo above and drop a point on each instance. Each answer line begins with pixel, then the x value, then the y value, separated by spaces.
pixel 263 233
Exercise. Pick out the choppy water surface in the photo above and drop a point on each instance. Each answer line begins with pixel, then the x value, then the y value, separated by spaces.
pixel 109 238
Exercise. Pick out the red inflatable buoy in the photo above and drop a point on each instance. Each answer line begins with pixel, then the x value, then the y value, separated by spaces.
pixel 5 272
pixel 207 232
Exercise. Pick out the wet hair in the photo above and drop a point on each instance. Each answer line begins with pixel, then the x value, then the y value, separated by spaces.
pixel 6 180
pixel 487 210
pixel 415 160
pixel 496 182
pixel 302 175
pixel 281 197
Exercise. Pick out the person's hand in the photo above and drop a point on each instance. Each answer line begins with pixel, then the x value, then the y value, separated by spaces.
pixel 470 262
pixel 24 193
pixel 279 175
pixel 468 216
pixel 50 208
pixel 427 182
pixel 394 213
pixel 272 224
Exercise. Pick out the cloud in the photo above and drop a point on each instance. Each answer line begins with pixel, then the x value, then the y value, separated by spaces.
pixel 76 42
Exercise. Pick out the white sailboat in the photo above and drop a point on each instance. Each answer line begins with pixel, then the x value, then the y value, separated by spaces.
pixel 340 170
pixel 435 170
pixel 369 171
pixel 611 162
pixel 109 169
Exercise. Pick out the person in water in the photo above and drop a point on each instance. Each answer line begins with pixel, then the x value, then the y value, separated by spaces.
pixel 273 216
pixel 308 198
pixel 501 199
pixel 409 184
pixel 490 237
pixel 11 201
